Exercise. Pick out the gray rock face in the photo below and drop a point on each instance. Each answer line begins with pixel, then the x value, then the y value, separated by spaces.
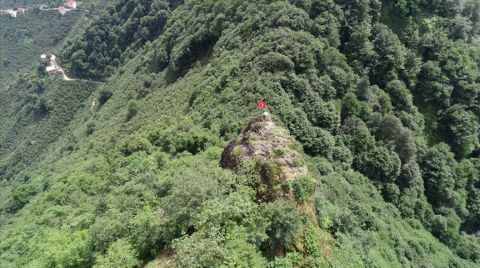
pixel 263 140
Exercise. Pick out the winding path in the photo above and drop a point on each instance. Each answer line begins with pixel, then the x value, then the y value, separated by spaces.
pixel 59 69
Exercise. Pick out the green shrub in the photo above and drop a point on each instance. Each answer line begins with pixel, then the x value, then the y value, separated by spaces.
pixel 286 222
pixel 237 150
pixel 90 128
pixel 351 106
pixel 135 144
pixel 161 159
pixel 299 161
pixel 139 163
pixel 21 195
pixel 132 110
pixel 303 189
pixel 104 96
pixel 181 136
pixel 323 165
pixel 119 254
pixel 383 165
pixel 292 259
pixel 280 151
pixel 274 62
pixel 312 240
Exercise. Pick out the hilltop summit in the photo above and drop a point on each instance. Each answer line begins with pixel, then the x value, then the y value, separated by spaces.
pixel 271 148
pixel 281 175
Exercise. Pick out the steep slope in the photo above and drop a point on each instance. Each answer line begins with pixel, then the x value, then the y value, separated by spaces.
pixel 43 111
pixel 383 105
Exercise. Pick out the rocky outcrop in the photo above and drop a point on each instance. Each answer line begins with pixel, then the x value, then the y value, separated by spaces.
pixel 268 154
pixel 272 150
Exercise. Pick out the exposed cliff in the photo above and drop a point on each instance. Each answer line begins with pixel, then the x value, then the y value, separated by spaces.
pixel 279 173
pixel 273 151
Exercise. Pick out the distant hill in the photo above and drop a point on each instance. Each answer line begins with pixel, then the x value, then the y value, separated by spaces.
pixel 26 3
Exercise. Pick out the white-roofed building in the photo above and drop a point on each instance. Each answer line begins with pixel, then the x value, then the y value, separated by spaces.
pixel 72 4
pixel 12 13
pixel 51 70
pixel 45 59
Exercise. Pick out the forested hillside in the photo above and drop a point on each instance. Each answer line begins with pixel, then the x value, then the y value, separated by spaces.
pixel 158 156
pixel 24 38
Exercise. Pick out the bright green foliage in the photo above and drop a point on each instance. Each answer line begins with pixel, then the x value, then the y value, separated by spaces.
pixel 380 96
pixel 383 165
pixel 350 105
pixel 216 249
pixel 184 136
pixel 290 260
pixel 433 86
pixel 384 100
pixel 135 144
pixel 62 249
pixel 285 226
pixel 446 228
pixel 323 114
pixel 119 254
pixel 389 58
pixel 402 98
pixel 303 189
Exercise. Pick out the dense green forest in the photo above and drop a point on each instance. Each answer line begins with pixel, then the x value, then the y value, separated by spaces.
pixel 158 157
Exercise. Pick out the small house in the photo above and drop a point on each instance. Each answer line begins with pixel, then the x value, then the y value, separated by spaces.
pixel 62 10
pixel 12 13
pixel 72 4
pixel 51 70
pixel 45 59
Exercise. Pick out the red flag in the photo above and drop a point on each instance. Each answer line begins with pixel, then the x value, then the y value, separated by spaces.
pixel 261 104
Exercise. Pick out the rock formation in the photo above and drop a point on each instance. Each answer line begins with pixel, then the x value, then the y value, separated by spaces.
pixel 268 153
pixel 272 150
